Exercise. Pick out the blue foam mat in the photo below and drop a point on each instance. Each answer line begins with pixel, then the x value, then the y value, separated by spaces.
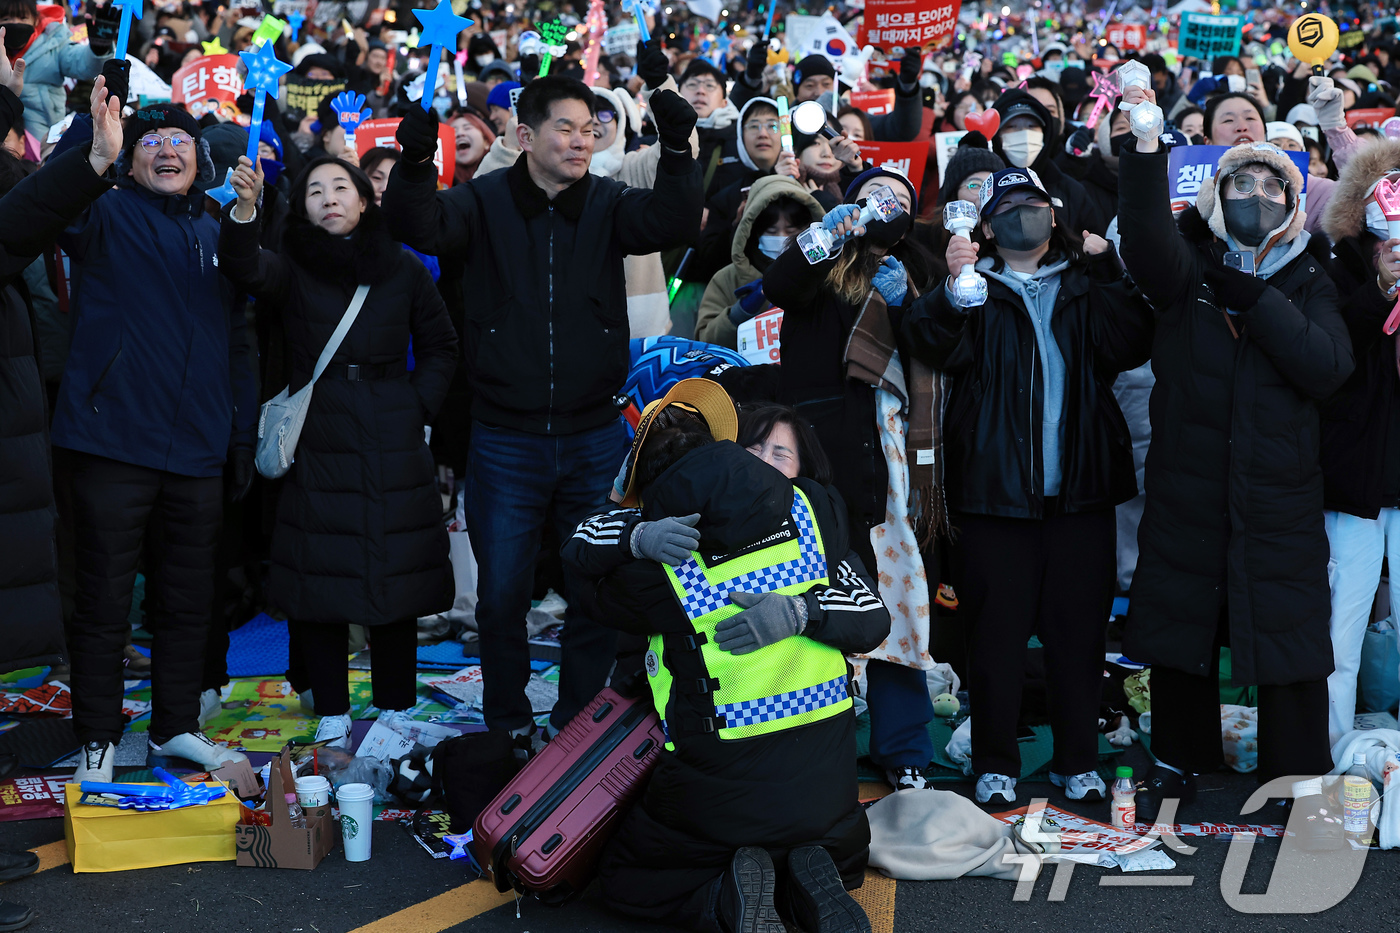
pixel 450 656
pixel 258 648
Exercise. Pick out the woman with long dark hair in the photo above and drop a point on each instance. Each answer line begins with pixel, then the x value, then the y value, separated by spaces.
pixel 875 410
pixel 1038 456
pixel 359 535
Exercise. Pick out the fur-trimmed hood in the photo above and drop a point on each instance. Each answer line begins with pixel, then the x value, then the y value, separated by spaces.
pixel 608 162
pixel 367 257
pixel 1346 212
pixel 1208 201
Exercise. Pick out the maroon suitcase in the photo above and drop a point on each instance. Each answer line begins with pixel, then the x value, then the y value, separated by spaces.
pixel 545 831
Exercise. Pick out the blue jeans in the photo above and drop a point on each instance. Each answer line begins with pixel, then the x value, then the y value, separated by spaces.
pixel 900 711
pixel 516 483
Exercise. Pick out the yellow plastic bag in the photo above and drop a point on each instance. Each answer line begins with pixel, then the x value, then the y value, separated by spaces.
pixel 109 839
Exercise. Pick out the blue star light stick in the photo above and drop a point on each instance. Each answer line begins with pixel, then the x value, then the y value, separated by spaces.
pixel 636 8
pixel 225 192
pixel 440 29
pixel 129 9
pixel 264 71
pixel 295 19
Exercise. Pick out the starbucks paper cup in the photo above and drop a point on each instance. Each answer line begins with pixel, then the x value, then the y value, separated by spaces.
pixel 356 819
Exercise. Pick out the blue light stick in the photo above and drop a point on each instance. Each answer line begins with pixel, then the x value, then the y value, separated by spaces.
pixel 635 8
pixel 129 9
pixel 264 71
pixel 296 19
pixel 440 29
pixel 768 30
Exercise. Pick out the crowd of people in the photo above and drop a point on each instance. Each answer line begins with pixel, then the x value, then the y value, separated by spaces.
pixel 760 546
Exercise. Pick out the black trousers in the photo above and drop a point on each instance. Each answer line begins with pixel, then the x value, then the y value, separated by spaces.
pixel 1293 737
pixel 115 508
pixel 393 658
pixel 1053 578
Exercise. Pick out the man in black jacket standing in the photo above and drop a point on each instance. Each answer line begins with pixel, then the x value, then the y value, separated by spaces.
pixel 541 245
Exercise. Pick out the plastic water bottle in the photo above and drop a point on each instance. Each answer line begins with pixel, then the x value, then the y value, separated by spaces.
pixel 1124 812
pixel 298 818
pixel 1357 796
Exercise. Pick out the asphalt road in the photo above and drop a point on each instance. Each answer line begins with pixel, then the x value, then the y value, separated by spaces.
pixel 401 890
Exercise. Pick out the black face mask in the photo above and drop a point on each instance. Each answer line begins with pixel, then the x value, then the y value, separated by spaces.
pixel 1249 220
pixel 1116 143
pixel 886 233
pixel 17 36
pixel 1023 228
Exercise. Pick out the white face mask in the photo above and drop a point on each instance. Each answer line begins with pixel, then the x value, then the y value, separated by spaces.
pixel 483 60
pixel 1022 146
pixel 1053 70
pixel 1376 222
pixel 624 72
pixel 771 246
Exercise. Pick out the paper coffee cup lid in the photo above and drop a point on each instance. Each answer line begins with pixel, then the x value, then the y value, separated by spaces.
pixel 354 792
pixel 313 782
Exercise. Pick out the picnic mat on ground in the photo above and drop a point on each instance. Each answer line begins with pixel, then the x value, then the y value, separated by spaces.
pixel 258 648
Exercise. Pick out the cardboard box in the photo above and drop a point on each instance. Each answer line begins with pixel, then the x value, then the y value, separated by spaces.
pixel 281 845
pixel 110 839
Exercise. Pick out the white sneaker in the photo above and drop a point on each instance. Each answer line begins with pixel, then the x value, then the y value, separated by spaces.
pixel 210 705
pixel 996 785
pixel 907 779
pixel 336 729
pixel 99 759
pixel 1087 786
pixel 196 747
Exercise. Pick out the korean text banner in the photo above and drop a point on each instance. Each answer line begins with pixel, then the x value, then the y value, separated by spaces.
pixel 907 159
pixel 304 95
pixel 909 23
pixel 1189 168
pixel 210 85
pixel 1206 37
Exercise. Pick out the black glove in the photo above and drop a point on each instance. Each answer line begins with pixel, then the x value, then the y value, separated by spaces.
pixel 909 67
pixel 104 25
pixel 1079 142
pixel 674 119
pixel 755 63
pixel 529 68
pixel 418 133
pixel 240 473
pixel 1234 289
pixel 652 64
pixel 117 71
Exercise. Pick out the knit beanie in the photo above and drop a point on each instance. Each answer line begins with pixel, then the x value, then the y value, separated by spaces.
pixel 810 66
pixel 971 156
pixel 154 116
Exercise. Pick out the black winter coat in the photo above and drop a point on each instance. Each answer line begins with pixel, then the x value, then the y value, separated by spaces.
pixel 546 309
pixel 992 427
pixel 776 790
pixel 31 617
pixel 1362 416
pixel 1234 490
pixel 359 535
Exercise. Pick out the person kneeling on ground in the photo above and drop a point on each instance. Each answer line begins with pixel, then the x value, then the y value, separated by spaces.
pixel 734 574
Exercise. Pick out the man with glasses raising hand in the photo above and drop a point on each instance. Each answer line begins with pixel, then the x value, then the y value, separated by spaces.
pixel 157 394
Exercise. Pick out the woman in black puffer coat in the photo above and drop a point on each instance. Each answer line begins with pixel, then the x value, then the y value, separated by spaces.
pixel 359 535
pixel 1232 545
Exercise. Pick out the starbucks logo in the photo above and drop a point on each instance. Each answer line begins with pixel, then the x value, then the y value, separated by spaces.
pixel 348 827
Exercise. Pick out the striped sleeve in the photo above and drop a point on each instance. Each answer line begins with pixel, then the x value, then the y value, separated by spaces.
pixel 600 542
pixel 846 612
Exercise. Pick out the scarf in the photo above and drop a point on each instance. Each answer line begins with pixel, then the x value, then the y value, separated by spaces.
pixel 872 358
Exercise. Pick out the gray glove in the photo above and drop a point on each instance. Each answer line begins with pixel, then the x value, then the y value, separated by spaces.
pixel 667 541
pixel 767 618
pixel 1326 99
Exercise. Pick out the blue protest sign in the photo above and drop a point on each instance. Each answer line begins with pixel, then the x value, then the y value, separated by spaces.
pixel 1205 36
pixel 1190 168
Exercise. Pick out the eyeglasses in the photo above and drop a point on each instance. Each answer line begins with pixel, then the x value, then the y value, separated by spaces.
pixel 1273 186
pixel 754 127
pixel 973 186
pixel 179 142
pixel 707 86
pixel 606 116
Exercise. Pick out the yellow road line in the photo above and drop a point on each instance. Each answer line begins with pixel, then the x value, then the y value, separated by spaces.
pixel 50 856
pixel 444 911
pixel 876 896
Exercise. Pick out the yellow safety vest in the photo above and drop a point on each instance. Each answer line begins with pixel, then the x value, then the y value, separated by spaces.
pixel 791 683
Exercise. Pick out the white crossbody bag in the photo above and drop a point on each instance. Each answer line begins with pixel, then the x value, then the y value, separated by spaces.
pixel 281 419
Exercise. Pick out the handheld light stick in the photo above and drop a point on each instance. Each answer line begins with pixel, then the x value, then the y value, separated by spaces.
pixel 785 125
pixel 969 288
pixel 440 29
pixel 552 34
pixel 768 30
pixel 129 9
pixel 1388 197
pixel 635 8
pixel 1105 89
pixel 1146 118
pixel 264 73
pixel 1313 39
pixel 810 119
pixel 296 19
pixel 817 243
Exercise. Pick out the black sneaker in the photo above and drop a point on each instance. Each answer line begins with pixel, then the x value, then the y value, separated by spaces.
pixel 14 865
pixel 15 916
pixel 746 894
pixel 816 900
pixel 1163 784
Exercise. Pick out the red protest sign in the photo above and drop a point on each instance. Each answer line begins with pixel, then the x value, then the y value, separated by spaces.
pixel 210 85
pixel 905 158
pixel 875 103
pixel 1369 116
pixel 1124 36
pixel 375 133
pixel 927 24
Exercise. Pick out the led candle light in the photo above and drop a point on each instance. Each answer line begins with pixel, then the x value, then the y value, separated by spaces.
pixel 969 288
pixel 440 29
pixel 817 243
pixel 264 74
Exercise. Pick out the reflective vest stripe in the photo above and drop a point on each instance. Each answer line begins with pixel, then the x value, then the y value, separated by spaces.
pixel 767 709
